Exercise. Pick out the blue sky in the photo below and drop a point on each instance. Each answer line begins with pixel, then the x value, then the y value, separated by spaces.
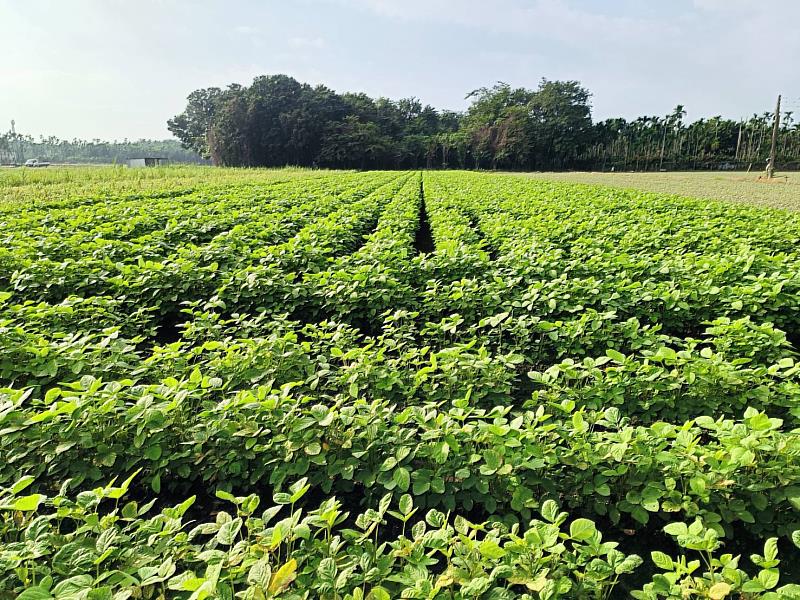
pixel 114 69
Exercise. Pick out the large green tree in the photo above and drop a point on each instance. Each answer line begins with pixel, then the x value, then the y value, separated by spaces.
pixel 277 120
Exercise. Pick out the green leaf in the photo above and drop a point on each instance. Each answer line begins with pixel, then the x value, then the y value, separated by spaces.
pixel 35 593
pixel 676 529
pixel 754 585
pixel 771 549
pixel 299 489
pixel 549 510
pixel 402 478
pixel 769 578
pixel 228 532
pixel 698 485
pixel 579 423
pixel 661 560
pixel 475 587
pixel 73 586
pixel 603 490
pixel 440 452
pixel 260 574
pixel 615 356
pixel 628 565
pixel 378 593
pixel 582 529
pixel 326 571
pixel 640 515
pixel 389 464
pixel 21 484
pixel 227 496
pixel 28 503
pixel 406 504
pixel 130 510
pixel 796 537
pixel 313 449
pixel 421 485
pixel 491 549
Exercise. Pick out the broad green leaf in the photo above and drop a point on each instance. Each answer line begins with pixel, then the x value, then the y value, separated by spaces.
pixel 21 484
pixel 491 549
pixel 228 532
pixel 661 560
pixel 769 578
pixel 582 529
pixel 406 504
pixel 549 510
pixel 34 593
pixel 676 529
pixel 27 503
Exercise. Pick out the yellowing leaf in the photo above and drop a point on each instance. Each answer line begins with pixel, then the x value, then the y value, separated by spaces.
pixel 283 577
pixel 534 585
pixel 719 591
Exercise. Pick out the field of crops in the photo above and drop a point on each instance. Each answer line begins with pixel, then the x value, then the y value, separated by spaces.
pixel 382 385
pixel 783 192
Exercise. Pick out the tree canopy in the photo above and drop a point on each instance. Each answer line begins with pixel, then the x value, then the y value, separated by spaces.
pixel 279 121
pixel 16 148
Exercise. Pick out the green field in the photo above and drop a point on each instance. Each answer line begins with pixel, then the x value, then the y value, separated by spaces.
pixel 220 383
pixel 783 192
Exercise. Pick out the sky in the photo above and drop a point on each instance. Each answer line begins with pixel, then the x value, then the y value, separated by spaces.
pixel 114 69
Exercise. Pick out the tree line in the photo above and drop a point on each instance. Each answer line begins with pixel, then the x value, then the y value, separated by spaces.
pixel 16 148
pixel 278 121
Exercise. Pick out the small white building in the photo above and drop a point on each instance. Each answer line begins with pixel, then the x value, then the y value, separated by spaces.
pixel 148 161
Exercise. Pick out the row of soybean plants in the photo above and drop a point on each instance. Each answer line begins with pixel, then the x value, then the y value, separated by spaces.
pixel 677 264
pixel 101 544
pixel 98 541
pixel 545 302
pixel 251 402
pixel 112 308
pixel 353 426
pixel 209 229
pixel 237 353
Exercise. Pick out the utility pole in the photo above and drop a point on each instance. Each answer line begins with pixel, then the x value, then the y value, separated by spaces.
pixel 738 143
pixel 775 126
pixel 19 157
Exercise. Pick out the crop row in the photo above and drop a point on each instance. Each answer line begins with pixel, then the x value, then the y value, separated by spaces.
pixel 391 550
pixel 550 345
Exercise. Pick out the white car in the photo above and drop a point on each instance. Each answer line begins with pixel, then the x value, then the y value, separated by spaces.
pixel 34 162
